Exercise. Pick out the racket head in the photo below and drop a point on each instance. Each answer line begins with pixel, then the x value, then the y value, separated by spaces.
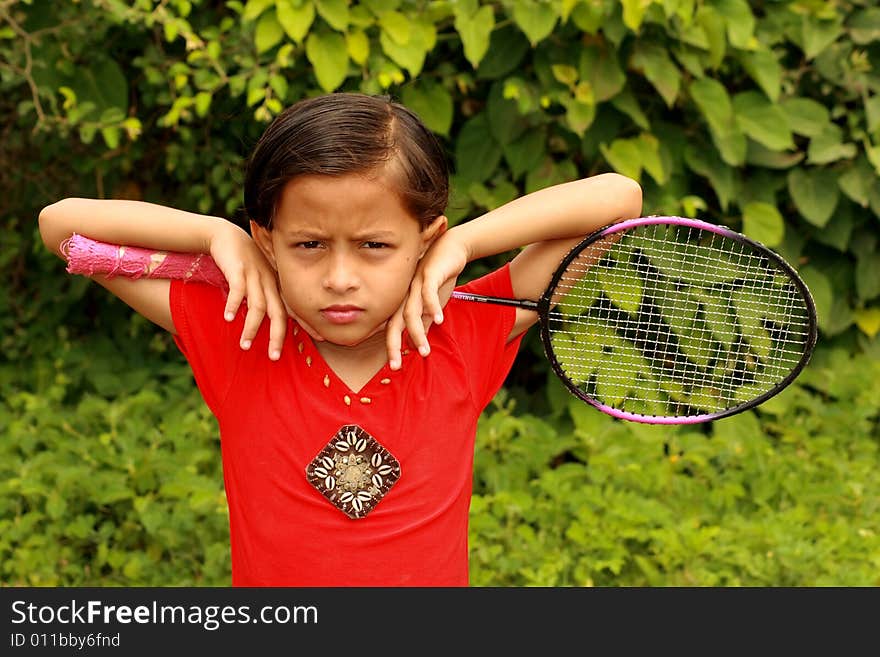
pixel 671 320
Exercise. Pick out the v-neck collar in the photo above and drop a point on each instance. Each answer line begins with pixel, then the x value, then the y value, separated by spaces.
pixel 306 349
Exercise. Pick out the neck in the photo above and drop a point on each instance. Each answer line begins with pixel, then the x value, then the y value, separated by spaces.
pixel 369 350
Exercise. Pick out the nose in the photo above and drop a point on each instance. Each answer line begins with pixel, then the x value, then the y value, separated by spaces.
pixel 341 275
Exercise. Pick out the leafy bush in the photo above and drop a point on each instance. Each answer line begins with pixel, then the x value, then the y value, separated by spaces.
pixel 783 496
pixel 761 116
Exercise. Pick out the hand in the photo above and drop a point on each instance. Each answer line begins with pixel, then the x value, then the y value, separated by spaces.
pixel 430 290
pixel 249 275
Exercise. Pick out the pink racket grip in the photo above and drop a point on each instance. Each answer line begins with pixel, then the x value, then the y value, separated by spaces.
pixel 87 256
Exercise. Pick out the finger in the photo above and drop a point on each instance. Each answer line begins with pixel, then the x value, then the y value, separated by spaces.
pixel 278 323
pixel 393 333
pixel 412 315
pixel 256 312
pixel 431 302
pixel 236 293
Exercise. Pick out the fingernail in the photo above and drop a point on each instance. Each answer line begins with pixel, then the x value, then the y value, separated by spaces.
pixel 394 364
pixel 424 350
pixel 275 354
pixel 229 317
pixel 245 344
pixel 438 318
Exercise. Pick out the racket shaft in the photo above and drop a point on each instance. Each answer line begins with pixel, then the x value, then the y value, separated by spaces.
pixel 525 304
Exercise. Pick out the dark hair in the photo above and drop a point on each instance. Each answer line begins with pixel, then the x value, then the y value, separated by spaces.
pixel 341 133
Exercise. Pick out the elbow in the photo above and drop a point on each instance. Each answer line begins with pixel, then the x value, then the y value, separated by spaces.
pixel 50 229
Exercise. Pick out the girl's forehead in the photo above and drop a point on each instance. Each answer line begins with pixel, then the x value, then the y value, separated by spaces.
pixel 336 202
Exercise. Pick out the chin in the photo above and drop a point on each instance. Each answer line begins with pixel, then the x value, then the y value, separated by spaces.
pixel 350 337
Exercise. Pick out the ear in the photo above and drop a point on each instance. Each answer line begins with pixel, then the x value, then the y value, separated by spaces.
pixel 432 231
pixel 263 239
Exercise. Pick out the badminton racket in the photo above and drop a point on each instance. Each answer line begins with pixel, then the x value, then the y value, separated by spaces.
pixel 669 320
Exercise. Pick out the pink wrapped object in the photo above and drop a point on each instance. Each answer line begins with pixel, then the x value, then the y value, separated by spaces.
pixel 87 256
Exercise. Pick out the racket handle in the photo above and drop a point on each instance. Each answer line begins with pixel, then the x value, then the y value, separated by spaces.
pixel 87 256
pixel 525 304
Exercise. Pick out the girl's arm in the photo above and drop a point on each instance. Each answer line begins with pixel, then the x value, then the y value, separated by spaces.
pixel 548 223
pixel 162 228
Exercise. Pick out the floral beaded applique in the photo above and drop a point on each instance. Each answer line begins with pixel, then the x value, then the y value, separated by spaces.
pixel 353 471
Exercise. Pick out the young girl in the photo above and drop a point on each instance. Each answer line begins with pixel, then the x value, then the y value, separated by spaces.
pixel 347 435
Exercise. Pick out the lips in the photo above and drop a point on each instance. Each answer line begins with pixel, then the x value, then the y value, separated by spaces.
pixel 341 314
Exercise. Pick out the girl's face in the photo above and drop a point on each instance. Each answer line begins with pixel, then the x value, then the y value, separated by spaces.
pixel 345 249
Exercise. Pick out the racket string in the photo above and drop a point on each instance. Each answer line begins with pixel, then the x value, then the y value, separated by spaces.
pixel 662 318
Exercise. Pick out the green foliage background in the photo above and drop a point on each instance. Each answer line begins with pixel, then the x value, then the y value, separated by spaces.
pixel 764 116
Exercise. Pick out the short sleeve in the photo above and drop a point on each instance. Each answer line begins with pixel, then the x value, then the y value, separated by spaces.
pixel 481 329
pixel 209 343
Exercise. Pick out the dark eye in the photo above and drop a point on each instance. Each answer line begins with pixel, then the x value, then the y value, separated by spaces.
pixel 375 245
pixel 311 244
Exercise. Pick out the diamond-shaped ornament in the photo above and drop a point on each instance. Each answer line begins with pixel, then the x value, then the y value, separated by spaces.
pixel 353 471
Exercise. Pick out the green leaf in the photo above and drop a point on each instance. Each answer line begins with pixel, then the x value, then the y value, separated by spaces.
pixel 565 74
pixel 715 27
pixel 857 181
pixel 652 162
pixel 579 115
pixel 740 22
pixel 864 26
pixel 433 104
pixel 396 25
pixel 839 229
pixel 633 13
pixel 763 223
pixel 706 163
pixel 659 69
pixel 507 48
pixel 599 66
pixel 412 55
pixel 806 116
pixel 763 67
pixel 335 12
pixel 474 31
pixel 296 21
pixel 818 34
pixel 868 320
pixel 100 85
pixel 203 102
pixel 624 156
pixel 872 113
pixel 56 505
pixel 622 285
pixel 588 16
pixel 535 19
pixel 828 146
pixel 329 56
pixel 358 46
pixel 815 194
pixel 254 8
pixel 476 154
pixel 526 153
pixel 762 120
pixel 821 291
pixel 713 102
pixel 868 276
pixel 719 316
pixel 504 120
pixel 268 33
pixel 627 103
pixel 761 156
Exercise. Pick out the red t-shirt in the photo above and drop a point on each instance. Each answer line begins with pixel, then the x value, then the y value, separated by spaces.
pixel 276 416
